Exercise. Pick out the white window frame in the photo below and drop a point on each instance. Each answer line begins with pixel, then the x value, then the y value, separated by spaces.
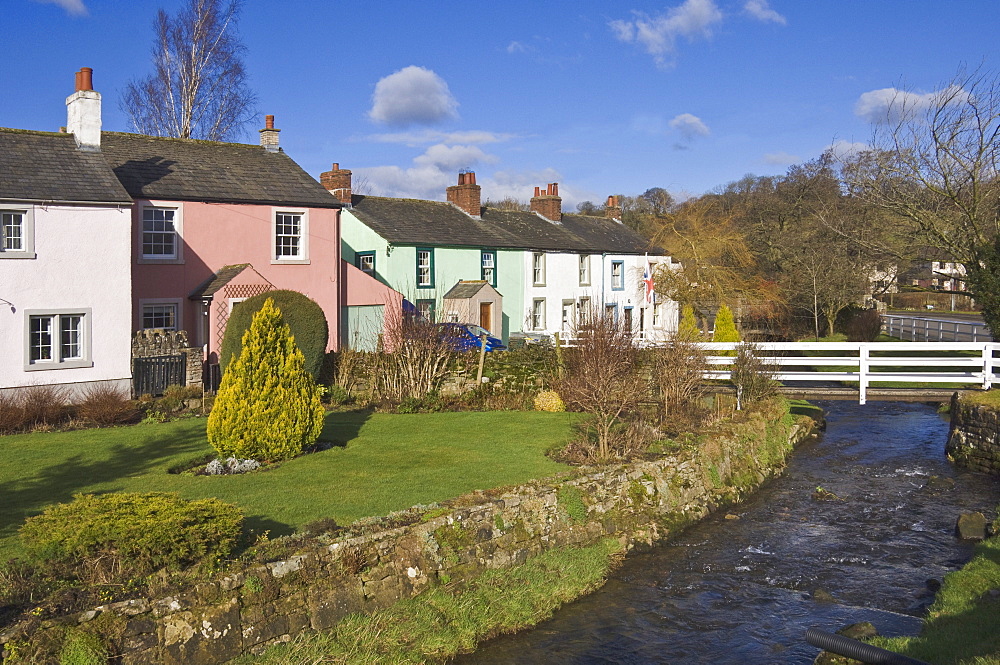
pixel 657 315
pixel 538 268
pixel 302 256
pixel 584 270
pixel 176 303
pixel 488 269
pixel 583 314
pixel 618 281
pixel 27 233
pixel 538 314
pixel 567 314
pixel 423 283
pixel 178 254
pixel 57 344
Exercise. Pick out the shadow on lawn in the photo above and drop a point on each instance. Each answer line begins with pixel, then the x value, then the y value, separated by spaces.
pixel 342 426
pixel 57 483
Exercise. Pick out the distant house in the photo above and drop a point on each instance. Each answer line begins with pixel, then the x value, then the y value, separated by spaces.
pixel 65 281
pixel 550 269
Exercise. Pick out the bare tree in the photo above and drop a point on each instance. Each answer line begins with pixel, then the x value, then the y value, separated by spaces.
pixel 198 88
pixel 934 166
pixel 412 361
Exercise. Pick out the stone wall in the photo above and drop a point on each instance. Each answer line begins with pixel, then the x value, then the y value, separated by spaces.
pixel 974 440
pixel 320 580
pixel 155 342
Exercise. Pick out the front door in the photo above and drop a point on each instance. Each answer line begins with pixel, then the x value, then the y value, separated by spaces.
pixel 627 324
pixel 485 318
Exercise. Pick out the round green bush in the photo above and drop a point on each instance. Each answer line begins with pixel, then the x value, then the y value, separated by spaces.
pixel 141 532
pixel 303 315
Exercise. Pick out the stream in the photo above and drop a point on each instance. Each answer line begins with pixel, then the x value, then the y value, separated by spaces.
pixel 744 585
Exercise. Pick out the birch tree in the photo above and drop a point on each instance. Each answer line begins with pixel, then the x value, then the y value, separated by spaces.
pixel 198 88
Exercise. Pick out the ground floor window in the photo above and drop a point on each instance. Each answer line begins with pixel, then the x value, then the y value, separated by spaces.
pixel 159 316
pixel 57 339
pixel 538 314
pixel 425 308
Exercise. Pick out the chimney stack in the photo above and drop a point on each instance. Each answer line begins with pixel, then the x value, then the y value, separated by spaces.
pixel 612 210
pixel 83 112
pixel 466 195
pixel 269 135
pixel 338 183
pixel 547 203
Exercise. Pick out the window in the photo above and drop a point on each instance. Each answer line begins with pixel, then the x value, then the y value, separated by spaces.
pixel 17 234
pixel 159 233
pixel 584 270
pixel 617 275
pixel 58 339
pixel 365 261
pixel 489 264
pixel 425 309
pixel 425 268
pixel 159 316
pixel 584 313
pixel 656 315
pixel 289 237
pixel 538 314
pixel 538 268
pixel 611 311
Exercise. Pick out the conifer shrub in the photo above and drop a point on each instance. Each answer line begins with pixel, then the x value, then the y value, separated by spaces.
pixel 268 406
pixel 687 329
pixel 112 537
pixel 725 329
pixel 303 315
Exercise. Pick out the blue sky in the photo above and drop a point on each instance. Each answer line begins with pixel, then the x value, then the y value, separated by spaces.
pixel 601 97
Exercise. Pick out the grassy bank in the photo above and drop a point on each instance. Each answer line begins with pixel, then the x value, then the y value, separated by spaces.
pixel 379 463
pixel 441 623
pixel 963 624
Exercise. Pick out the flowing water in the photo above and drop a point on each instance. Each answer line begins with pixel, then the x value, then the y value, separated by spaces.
pixel 741 587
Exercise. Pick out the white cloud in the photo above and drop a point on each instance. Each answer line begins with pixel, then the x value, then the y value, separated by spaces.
pixel 842 149
pixel 892 105
pixel 760 10
pixel 428 136
pixel 690 126
pixel 412 96
pixel 658 34
pixel 73 7
pixel 781 158
pixel 516 47
pixel 431 173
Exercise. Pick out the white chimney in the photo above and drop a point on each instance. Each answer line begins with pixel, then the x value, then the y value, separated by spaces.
pixel 83 112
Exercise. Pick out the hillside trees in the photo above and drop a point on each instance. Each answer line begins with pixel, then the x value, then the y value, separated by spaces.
pixel 934 166
pixel 198 88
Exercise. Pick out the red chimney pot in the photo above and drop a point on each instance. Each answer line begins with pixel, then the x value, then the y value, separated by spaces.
pixel 336 166
pixel 86 78
pixel 269 121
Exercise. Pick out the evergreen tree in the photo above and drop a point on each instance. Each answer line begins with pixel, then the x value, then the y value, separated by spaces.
pixel 268 407
pixel 725 329
pixel 688 329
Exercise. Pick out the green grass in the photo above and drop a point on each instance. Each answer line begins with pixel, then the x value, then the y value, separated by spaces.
pixel 441 623
pixel 382 463
pixel 963 624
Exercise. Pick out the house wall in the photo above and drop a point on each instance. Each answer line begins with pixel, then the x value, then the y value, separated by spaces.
pixel 397 267
pixel 81 265
pixel 367 303
pixel 562 284
pixel 214 235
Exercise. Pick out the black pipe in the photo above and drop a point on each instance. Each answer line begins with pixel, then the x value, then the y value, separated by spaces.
pixel 866 653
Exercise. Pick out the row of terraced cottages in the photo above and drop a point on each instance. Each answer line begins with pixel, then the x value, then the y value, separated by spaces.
pixel 104 233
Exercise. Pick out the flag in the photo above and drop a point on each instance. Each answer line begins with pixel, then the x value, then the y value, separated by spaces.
pixel 647 279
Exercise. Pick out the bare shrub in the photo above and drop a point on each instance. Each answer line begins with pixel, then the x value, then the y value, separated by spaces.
pixel 602 378
pixel 105 405
pixel 864 326
pixel 752 376
pixel 11 413
pixel 43 407
pixel 678 376
pixel 412 362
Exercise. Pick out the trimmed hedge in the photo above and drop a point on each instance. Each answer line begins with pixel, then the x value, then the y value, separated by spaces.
pixel 303 315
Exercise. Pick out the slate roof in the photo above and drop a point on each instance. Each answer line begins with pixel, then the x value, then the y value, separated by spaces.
pixel 221 277
pixel 419 222
pixel 193 170
pixel 47 166
pixel 465 289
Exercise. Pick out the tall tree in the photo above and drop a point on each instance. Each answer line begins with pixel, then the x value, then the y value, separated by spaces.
pixel 198 88
pixel 934 165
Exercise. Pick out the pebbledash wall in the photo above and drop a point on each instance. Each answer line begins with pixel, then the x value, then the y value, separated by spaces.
pixel 974 440
pixel 405 553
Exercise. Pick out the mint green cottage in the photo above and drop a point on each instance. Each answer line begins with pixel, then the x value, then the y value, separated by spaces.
pixel 423 249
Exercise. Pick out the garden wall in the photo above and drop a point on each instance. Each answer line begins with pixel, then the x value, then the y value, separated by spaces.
pixel 380 562
pixel 974 440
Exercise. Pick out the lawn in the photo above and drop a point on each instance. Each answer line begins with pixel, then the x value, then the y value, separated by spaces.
pixel 380 463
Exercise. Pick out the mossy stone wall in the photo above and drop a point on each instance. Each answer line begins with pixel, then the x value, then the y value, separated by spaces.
pixel 974 440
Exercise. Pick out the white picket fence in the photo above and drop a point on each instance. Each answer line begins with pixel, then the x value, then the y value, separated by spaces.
pixel 926 329
pixel 863 360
